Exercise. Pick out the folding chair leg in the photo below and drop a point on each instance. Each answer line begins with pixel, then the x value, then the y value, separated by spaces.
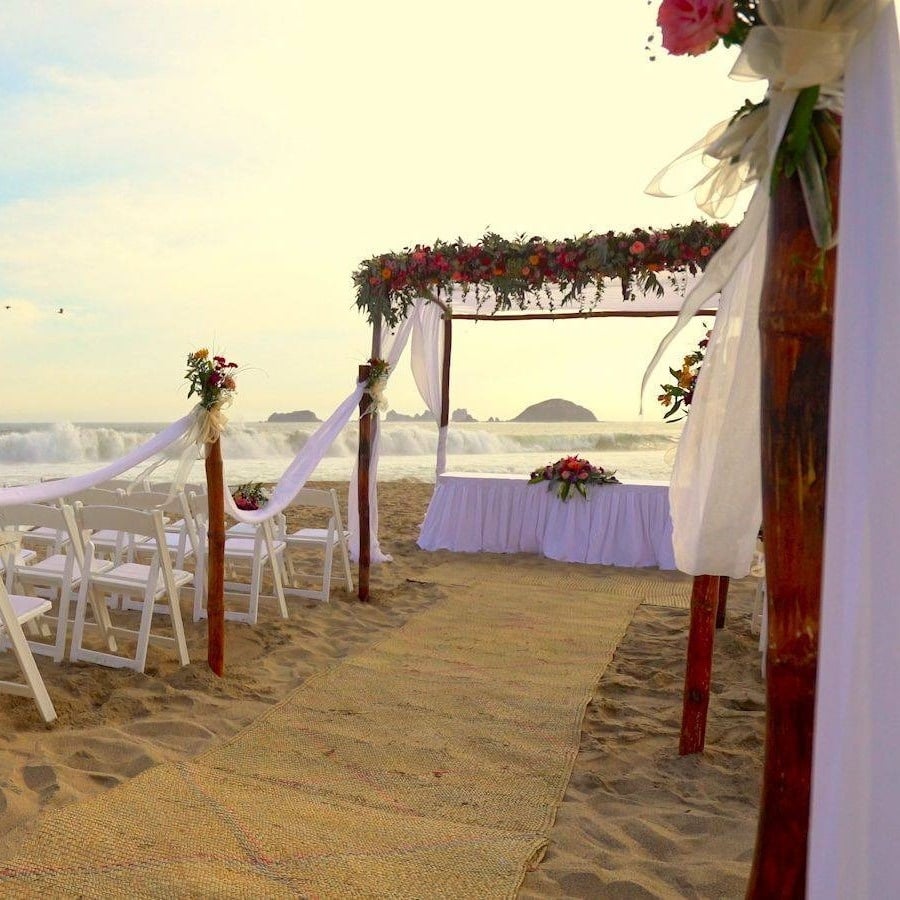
pixel 35 683
pixel 345 559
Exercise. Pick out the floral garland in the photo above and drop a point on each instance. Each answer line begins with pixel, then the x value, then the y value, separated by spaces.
pixel 514 271
pixel 572 472
pixel 680 395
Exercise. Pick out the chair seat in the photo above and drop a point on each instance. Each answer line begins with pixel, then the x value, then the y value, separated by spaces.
pixel 173 542
pixel 242 529
pixel 46 536
pixel 23 557
pixel 28 608
pixel 136 575
pixel 52 569
pixel 314 536
pixel 245 548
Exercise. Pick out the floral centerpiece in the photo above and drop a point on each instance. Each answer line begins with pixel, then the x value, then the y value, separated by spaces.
pixel 251 495
pixel 572 472
pixel 679 396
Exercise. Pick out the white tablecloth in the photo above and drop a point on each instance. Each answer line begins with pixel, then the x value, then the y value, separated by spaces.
pixel 617 525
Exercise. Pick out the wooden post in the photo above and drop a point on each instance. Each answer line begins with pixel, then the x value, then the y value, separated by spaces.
pixel 795 331
pixel 445 371
pixel 364 458
pixel 698 670
pixel 723 601
pixel 215 560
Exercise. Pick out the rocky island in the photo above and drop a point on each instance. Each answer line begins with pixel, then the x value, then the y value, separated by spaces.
pixel 298 415
pixel 555 410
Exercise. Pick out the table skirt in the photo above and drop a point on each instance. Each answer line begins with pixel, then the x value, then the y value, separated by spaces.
pixel 617 525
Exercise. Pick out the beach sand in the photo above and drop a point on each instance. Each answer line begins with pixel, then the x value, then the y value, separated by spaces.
pixel 637 820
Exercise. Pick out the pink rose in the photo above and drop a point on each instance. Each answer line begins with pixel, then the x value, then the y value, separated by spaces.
pixel 693 26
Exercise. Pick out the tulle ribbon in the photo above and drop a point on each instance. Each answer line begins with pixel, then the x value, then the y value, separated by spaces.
pixel 802 43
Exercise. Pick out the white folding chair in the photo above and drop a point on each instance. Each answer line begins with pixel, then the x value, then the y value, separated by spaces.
pixel 254 551
pixel 56 577
pixel 151 582
pixel 327 540
pixel 15 611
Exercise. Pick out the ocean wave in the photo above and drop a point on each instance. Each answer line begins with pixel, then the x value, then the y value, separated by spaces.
pixel 70 443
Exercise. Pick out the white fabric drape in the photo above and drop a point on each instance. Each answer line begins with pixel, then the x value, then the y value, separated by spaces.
pixel 48 491
pixel 393 345
pixel 301 467
pixel 713 457
pixel 856 778
pixel 427 360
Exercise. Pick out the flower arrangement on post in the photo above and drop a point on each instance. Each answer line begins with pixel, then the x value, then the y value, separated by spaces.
pixel 379 371
pixel 211 378
pixel 679 396
pixel 809 122
pixel 251 495
pixel 571 472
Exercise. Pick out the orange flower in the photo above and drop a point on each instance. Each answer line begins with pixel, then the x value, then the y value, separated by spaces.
pixel 665 399
pixel 386 273
pixel 228 383
pixel 534 259
pixel 705 251
pixel 200 354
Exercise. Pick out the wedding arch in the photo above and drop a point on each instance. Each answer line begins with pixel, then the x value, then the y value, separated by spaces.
pixel 421 290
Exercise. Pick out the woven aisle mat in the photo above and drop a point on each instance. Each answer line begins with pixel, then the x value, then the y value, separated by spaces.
pixel 429 765
pixel 648 586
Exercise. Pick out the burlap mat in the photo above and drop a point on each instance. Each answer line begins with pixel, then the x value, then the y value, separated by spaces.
pixel 430 765
pixel 648 586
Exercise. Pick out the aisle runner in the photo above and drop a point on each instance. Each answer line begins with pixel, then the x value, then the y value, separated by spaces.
pixel 430 765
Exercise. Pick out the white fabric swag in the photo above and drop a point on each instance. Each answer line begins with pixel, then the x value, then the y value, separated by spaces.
pixel 715 530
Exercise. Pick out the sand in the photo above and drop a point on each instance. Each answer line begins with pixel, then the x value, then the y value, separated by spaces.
pixel 637 820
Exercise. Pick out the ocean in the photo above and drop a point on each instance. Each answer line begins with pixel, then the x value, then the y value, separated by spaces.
pixel 260 451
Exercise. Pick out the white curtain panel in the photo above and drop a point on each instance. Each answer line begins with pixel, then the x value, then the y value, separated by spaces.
pixel 427 360
pixel 855 829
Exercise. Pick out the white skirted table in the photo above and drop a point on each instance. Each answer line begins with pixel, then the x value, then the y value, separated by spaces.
pixel 617 525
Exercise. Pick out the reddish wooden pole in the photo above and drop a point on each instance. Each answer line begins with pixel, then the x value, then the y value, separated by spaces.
pixel 723 601
pixel 215 560
pixel 698 670
pixel 795 327
pixel 364 457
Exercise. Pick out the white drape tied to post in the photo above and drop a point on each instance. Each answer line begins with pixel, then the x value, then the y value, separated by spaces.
pixel 376 391
pixel 716 485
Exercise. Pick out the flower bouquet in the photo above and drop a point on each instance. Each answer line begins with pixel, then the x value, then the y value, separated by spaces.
pixel 571 472
pixel 680 396
pixel 251 495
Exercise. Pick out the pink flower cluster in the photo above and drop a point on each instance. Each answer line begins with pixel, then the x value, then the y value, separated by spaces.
pixel 693 26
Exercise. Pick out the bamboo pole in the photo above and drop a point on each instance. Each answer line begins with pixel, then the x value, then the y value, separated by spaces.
pixel 364 458
pixel 445 372
pixel 795 331
pixel 596 314
pixel 215 559
pixel 698 669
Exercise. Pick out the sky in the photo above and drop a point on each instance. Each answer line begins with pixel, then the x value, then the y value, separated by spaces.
pixel 210 173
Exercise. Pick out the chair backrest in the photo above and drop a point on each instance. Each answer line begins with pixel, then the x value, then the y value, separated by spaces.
pixel 36 515
pixel 121 518
pixel 96 497
pixel 148 500
pixel 321 498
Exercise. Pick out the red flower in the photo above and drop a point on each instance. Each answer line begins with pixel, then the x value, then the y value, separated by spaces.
pixel 705 251
pixel 637 248
pixel 694 26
